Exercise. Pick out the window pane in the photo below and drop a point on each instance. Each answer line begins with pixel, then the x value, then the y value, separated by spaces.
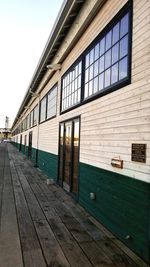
pixel 124 46
pixel 87 75
pixel 91 56
pixel 95 85
pixel 67 79
pixel 86 90
pixel 115 53
pixel 107 78
pixel 96 55
pixel 114 74
pixel 73 85
pixel 51 102
pixel 107 59
pixel 43 109
pixel 115 33
pixel 73 74
pixel 102 46
pixel 123 68
pixel 31 119
pixel 87 60
pixel 91 72
pixel 124 25
pixel 72 99
pixel 108 40
pixel 76 85
pixel 96 68
pixel 79 68
pixel 90 87
pixel 101 81
pixel 76 71
pixel 70 76
pixel 35 115
pixel 102 64
pixel 79 81
pixel 75 94
pixel 79 96
pixel 69 100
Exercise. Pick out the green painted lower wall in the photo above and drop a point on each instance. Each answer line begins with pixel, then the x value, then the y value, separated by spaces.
pixel 122 204
pixel 48 162
pixel 15 144
pixel 34 155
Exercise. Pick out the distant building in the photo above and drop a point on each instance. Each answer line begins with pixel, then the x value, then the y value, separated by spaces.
pixel 5 133
pixel 85 117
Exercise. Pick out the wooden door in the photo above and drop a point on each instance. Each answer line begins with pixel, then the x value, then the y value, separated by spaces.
pixel 30 146
pixel 69 155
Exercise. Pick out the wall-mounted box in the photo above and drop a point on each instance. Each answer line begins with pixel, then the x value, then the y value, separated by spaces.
pixel 118 163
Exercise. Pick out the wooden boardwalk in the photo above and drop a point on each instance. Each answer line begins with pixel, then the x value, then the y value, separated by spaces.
pixel 41 225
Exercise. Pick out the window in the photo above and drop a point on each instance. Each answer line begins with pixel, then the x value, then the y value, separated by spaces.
pixel 106 64
pixel 31 118
pixel 21 127
pixel 28 121
pixel 35 115
pixel 48 104
pixel 71 87
pixel 51 102
pixel 25 124
pixel 43 109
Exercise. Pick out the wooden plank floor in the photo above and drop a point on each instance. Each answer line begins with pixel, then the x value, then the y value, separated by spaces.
pixel 41 225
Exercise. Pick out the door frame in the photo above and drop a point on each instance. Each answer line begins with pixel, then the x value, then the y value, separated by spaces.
pixel 20 145
pixel 25 144
pixel 71 120
pixel 30 147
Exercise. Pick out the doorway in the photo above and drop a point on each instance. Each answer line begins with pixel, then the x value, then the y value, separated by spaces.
pixel 20 147
pixel 69 155
pixel 25 144
pixel 30 146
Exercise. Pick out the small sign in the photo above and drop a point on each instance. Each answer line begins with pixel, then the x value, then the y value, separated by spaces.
pixel 138 153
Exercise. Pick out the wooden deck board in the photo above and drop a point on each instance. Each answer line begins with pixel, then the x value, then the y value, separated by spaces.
pixel 32 253
pixel 10 248
pixel 49 228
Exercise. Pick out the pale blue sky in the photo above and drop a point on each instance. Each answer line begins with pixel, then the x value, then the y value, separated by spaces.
pixel 25 26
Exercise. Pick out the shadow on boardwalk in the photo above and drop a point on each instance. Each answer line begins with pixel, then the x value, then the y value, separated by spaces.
pixel 41 225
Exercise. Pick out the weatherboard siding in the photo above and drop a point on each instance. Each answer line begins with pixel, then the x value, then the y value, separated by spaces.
pixel 48 136
pixel 115 122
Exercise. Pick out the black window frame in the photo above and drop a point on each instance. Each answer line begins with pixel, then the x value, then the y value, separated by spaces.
pixel 55 87
pixel 35 112
pixel 46 97
pixel 67 73
pixel 127 8
pixel 31 118
pixel 28 121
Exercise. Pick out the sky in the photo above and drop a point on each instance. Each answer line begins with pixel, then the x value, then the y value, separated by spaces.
pixel 25 26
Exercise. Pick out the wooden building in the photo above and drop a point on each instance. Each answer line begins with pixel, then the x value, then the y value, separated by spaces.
pixel 85 119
